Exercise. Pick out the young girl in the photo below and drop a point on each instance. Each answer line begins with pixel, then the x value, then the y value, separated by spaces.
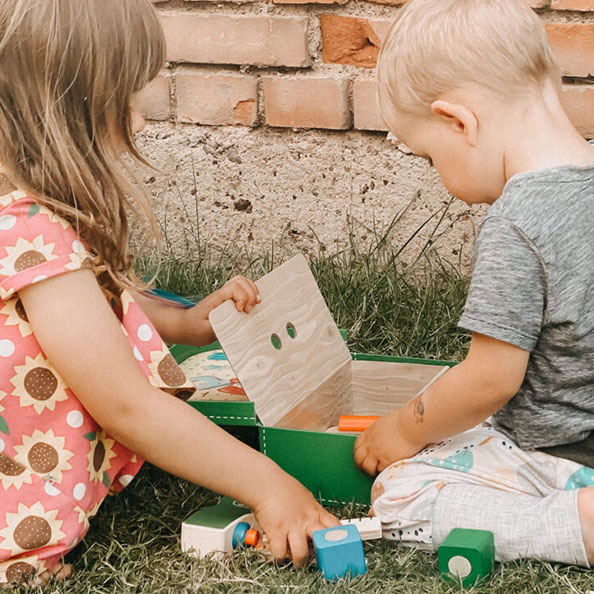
pixel 87 386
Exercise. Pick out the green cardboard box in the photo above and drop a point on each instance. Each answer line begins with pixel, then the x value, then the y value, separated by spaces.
pixel 299 376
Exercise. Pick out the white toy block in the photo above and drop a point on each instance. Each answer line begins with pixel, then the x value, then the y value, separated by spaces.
pixel 369 528
pixel 219 529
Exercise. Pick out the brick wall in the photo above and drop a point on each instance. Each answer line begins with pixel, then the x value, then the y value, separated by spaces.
pixel 265 127
pixel 292 64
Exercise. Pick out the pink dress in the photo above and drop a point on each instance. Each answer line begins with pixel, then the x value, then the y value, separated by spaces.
pixel 56 464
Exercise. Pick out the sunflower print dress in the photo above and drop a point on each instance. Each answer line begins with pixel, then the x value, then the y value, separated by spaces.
pixel 56 464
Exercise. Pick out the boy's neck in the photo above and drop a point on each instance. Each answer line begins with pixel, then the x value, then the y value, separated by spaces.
pixel 538 135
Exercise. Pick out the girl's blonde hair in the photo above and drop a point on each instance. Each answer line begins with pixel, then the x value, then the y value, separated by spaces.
pixel 435 46
pixel 68 71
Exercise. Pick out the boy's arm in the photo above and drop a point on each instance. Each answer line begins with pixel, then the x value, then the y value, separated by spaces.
pixel 466 395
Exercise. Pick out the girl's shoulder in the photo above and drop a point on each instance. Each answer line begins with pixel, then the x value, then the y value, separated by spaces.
pixel 20 206
pixel 35 243
pixel 11 198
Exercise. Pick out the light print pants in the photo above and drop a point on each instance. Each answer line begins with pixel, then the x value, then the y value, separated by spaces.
pixel 480 479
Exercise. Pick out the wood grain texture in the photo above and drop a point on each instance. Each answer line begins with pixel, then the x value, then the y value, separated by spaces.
pixel 324 405
pixel 310 370
pixel 378 387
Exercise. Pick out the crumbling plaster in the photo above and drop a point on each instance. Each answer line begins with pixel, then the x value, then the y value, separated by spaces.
pixel 248 191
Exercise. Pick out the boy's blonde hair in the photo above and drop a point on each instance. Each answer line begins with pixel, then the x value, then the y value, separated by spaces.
pixel 68 70
pixel 435 46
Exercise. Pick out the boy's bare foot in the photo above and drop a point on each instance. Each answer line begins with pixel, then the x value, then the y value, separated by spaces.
pixel 586 511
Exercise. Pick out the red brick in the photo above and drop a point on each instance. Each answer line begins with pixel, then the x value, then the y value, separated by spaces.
pixel 307 102
pixel 532 3
pixel 218 1
pixel 228 39
pixel 352 40
pixel 581 5
pixel 366 111
pixel 574 47
pixel 357 40
pixel 154 99
pixel 578 101
pixel 310 1
pixel 392 2
pixel 216 99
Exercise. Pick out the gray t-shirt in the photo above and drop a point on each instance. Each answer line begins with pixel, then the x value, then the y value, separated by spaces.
pixel 533 286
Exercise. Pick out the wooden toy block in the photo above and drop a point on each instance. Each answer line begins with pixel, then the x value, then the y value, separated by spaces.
pixel 339 551
pixel 219 529
pixel 369 528
pixel 466 555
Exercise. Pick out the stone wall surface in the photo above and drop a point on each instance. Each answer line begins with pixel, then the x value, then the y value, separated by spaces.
pixel 265 127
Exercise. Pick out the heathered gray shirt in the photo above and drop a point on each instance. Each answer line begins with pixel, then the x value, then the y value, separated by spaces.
pixel 533 286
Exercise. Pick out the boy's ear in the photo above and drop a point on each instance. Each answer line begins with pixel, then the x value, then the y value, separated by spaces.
pixel 459 117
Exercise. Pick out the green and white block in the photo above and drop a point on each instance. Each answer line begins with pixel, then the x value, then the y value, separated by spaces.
pixel 466 555
pixel 211 530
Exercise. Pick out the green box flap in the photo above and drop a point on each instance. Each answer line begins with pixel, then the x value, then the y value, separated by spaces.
pixel 227 413
pixel 218 516
pixel 393 359
pixel 297 452
pixel 181 352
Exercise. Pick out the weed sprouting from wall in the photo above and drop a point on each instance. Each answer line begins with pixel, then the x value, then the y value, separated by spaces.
pixel 387 304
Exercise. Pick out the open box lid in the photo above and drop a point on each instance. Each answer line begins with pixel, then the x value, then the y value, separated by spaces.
pixel 287 352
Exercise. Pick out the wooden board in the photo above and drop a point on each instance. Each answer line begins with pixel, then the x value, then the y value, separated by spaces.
pixel 380 386
pixel 324 405
pixel 304 381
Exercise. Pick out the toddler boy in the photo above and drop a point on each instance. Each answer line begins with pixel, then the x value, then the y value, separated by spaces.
pixel 472 86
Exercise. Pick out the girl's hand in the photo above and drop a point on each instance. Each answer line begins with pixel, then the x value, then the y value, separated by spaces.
pixel 383 444
pixel 195 327
pixel 241 290
pixel 289 515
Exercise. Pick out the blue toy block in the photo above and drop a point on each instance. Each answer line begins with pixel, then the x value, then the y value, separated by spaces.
pixel 339 551
pixel 466 555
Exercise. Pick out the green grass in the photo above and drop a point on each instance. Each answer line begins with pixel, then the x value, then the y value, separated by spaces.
pixel 133 547
pixel 133 544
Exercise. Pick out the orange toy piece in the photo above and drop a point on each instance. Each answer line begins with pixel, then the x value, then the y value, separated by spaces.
pixel 356 422
pixel 251 537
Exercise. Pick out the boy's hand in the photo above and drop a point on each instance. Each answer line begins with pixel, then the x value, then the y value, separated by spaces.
pixel 289 515
pixel 383 444
pixel 460 399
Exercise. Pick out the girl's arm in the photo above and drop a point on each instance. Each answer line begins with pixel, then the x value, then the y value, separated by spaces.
pixel 82 338
pixel 182 325
pixel 466 395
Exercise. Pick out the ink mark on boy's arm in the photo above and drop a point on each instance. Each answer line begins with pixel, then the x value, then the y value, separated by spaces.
pixel 419 408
